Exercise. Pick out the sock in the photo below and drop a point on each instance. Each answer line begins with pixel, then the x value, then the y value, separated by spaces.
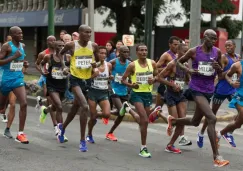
pixel 200 134
pixel 143 146
pixel 181 136
pixel 7 128
pixel 55 125
pixel 20 132
pixel 218 134
pixel 128 109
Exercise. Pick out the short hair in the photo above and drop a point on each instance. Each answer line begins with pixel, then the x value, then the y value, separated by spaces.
pixel 63 31
pixel 67 35
pixel 172 38
pixel 138 46
pixel 181 45
pixel 102 47
pixel 231 41
pixel 119 41
pixel 58 41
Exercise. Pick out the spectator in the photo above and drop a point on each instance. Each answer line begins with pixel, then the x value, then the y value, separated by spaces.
pixel 75 36
pixel 62 33
pixel 67 38
pixel 110 51
pixel 119 43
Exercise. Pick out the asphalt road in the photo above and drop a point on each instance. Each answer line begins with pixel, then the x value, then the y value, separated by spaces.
pixel 45 154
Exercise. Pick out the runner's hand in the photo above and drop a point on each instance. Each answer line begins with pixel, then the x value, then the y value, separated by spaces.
pixel 235 84
pixel 176 88
pixel 26 64
pixel 111 77
pixel 151 80
pixel 66 71
pixel 135 85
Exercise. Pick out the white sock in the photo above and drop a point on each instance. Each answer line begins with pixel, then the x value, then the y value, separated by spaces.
pixel 143 146
pixel 200 134
pixel 128 109
pixel 218 134
pixel 19 133
pixel 181 136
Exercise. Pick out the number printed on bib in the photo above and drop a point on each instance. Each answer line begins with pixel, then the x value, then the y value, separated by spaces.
pixel 205 68
pixel 101 83
pixel 16 66
pixel 181 84
pixel 142 78
pixel 118 78
pixel 83 62
pixel 57 73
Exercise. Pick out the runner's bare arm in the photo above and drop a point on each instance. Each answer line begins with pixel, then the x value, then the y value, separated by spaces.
pixel 165 73
pixel 219 68
pixel 4 52
pixel 111 77
pixel 224 62
pixel 162 60
pixel 129 71
pixel 190 54
pixel 38 61
pixel 45 60
pixel 235 68
pixel 113 63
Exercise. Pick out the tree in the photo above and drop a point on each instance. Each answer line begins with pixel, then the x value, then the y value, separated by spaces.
pixel 233 27
pixel 125 13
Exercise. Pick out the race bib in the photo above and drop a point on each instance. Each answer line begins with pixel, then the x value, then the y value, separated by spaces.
pixel 83 62
pixel 118 78
pixel 205 68
pixel 181 84
pixel 57 73
pixel 234 77
pixel 101 83
pixel 142 78
pixel 16 66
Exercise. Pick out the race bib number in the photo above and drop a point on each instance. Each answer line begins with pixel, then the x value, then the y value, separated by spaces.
pixel 206 68
pixel 16 66
pixel 234 77
pixel 101 83
pixel 181 84
pixel 83 62
pixel 142 78
pixel 57 73
pixel 118 78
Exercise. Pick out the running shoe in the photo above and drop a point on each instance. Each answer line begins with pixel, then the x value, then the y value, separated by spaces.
pixel 200 140
pixel 60 136
pixel 172 149
pixel 38 103
pixel 83 147
pixel 155 114
pixel 111 137
pixel 4 118
pixel 105 121
pixel 122 111
pixel 144 153
pixel 184 141
pixel 170 126
pixel 43 114
pixel 7 133
pixel 21 138
pixel 65 138
pixel 229 139
pixel 90 139
pixel 220 162
pixel 56 130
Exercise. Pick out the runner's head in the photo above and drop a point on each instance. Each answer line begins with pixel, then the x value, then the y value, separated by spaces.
pixel 58 45
pixel 173 43
pixel 124 52
pixel 50 41
pixel 84 33
pixel 16 33
pixel 102 53
pixel 141 51
pixel 230 46
pixel 210 38
pixel 8 38
pixel 182 49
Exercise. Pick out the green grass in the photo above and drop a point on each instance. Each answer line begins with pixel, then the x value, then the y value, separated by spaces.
pixel 31 77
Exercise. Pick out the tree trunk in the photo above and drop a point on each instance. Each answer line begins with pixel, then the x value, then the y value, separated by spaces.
pixel 10 6
pixel 24 2
pixel 40 5
pixel 45 5
pixel 5 6
pixel 19 6
pixel 35 5
pixel 57 6
pixel 30 4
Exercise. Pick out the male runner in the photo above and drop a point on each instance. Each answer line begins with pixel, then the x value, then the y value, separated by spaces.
pixel 142 72
pixel 119 90
pixel 81 70
pixel 42 81
pixel 236 102
pixel 175 79
pixel 12 79
pixel 98 93
pixel 223 90
pixel 163 61
pixel 205 61
pixel 56 84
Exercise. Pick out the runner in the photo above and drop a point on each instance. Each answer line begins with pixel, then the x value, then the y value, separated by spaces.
pixel 163 61
pixel 42 81
pixel 81 70
pixel 141 71
pixel 98 93
pixel 120 92
pixel 12 79
pixel 204 62
pixel 174 78
pixel 236 102
pixel 223 90
pixel 56 84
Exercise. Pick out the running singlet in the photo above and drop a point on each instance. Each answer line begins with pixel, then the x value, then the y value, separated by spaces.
pixel 141 76
pixel 13 70
pixel 118 71
pixel 204 82
pixel 223 87
pixel 172 55
pixel 81 60
pixel 101 81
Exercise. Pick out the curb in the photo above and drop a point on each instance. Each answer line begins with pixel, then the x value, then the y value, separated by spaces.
pixel 229 116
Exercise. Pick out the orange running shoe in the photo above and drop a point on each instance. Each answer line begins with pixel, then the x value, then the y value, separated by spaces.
pixel 105 121
pixel 111 137
pixel 22 139
pixel 220 162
